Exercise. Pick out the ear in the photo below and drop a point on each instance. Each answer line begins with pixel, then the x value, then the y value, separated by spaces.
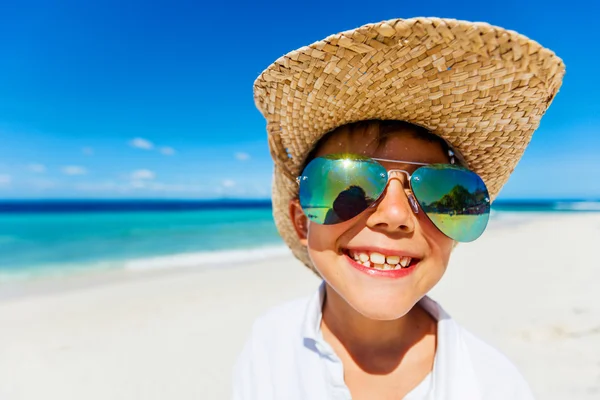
pixel 299 220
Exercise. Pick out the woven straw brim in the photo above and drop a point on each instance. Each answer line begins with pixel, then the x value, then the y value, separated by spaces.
pixel 482 88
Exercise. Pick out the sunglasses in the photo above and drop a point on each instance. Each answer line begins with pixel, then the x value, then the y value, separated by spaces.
pixel 338 187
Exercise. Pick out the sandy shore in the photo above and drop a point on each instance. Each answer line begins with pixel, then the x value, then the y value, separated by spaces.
pixel 530 289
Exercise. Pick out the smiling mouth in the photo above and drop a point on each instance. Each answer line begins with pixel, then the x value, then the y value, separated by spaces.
pixel 380 261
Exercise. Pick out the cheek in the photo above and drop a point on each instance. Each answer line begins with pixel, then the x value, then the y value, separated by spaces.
pixel 440 245
pixel 324 242
pixel 324 238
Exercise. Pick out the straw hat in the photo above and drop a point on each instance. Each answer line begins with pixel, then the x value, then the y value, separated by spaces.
pixel 482 88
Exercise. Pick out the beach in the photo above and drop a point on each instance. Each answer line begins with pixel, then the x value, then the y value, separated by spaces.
pixel 528 287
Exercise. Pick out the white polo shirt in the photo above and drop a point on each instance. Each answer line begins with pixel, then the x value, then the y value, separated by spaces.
pixel 286 358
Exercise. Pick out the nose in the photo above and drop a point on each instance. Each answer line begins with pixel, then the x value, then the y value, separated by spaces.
pixel 393 212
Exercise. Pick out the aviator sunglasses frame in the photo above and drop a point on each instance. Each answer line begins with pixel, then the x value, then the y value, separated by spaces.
pixel 414 203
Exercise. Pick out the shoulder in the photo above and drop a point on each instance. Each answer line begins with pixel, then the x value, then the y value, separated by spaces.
pixel 277 330
pixel 283 318
pixel 269 351
pixel 498 377
pixel 495 376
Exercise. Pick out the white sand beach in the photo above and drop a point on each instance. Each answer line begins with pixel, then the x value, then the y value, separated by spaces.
pixel 528 286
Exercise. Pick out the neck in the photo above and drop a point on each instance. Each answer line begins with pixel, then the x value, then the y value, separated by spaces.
pixel 362 337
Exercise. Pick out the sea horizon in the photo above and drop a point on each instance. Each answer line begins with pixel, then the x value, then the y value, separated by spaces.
pixel 59 205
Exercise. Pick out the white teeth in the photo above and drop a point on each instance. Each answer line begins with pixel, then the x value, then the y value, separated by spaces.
pixel 380 261
pixel 377 258
pixel 392 260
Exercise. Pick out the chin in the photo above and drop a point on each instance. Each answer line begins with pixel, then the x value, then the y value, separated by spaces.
pixel 382 306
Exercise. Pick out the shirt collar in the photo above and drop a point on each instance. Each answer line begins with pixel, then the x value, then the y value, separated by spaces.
pixel 311 325
pixel 453 374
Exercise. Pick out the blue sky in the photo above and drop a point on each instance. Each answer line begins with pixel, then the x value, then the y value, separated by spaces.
pixel 139 99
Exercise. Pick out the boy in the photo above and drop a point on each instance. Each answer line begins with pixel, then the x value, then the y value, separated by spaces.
pixel 390 142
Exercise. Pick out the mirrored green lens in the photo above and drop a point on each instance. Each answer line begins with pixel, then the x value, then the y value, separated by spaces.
pixel 338 187
pixel 455 199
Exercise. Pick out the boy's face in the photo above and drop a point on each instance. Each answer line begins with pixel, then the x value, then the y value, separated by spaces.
pixel 391 225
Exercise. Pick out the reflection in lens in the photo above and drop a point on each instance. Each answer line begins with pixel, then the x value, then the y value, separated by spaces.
pixel 351 202
pixel 338 187
pixel 455 199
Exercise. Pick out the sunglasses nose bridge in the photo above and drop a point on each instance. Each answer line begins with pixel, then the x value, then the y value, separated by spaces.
pixel 399 174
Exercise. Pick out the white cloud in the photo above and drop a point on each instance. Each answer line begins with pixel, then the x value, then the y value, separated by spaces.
pixel 37 168
pixel 142 174
pixel 5 179
pixel 141 143
pixel 74 170
pixel 88 151
pixel 228 183
pixel 167 151
pixel 242 156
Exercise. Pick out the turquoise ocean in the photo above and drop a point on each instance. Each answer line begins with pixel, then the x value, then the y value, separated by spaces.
pixel 39 238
